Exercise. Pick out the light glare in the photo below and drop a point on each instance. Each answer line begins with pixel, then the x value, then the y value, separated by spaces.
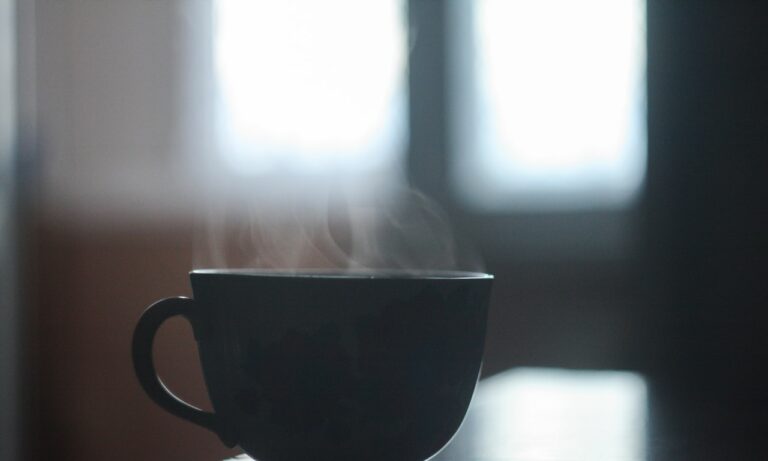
pixel 547 414
pixel 309 85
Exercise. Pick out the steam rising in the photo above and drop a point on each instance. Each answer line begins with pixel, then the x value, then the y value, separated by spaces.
pixel 320 221
pixel 393 228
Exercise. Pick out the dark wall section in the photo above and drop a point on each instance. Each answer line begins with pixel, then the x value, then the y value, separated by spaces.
pixel 706 212
pixel 708 123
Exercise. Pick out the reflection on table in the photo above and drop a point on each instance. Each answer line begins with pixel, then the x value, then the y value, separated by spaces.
pixel 536 414
pixel 549 414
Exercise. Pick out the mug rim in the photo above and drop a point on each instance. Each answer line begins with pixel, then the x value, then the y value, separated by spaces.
pixel 355 274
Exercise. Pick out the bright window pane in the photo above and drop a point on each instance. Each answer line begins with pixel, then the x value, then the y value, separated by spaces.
pixel 553 113
pixel 310 86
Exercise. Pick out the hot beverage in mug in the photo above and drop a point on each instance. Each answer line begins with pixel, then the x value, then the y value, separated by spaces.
pixel 322 365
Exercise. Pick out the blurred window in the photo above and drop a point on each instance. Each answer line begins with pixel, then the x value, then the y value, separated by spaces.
pixel 550 104
pixel 310 86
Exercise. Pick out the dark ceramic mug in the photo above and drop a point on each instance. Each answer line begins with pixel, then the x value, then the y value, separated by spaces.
pixel 315 365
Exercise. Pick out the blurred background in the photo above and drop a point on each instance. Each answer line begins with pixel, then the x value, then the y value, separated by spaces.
pixel 605 158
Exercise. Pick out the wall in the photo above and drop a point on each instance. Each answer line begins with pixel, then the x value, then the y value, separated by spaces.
pixel 92 288
pixel 120 114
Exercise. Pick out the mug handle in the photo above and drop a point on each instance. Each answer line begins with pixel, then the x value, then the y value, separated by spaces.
pixel 144 365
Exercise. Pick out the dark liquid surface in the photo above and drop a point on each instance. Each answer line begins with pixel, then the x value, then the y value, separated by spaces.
pixel 351 273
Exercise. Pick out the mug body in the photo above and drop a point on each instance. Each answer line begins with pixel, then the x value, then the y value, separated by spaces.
pixel 340 366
